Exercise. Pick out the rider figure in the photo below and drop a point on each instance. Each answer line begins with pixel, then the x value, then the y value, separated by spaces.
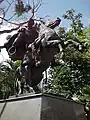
pixel 37 45
pixel 32 29
pixel 29 30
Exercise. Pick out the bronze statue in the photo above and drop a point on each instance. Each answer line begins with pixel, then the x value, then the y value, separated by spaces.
pixel 40 54
pixel 16 45
pixel 36 47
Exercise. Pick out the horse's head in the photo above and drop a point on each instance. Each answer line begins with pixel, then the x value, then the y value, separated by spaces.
pixel 20 38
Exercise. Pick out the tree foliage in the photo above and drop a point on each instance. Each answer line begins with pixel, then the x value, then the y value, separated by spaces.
pixel 22 10
pixel 76 25
pixel 72 75
pixel 7 78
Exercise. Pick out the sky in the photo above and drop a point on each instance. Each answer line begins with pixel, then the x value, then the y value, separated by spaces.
pixel 54 9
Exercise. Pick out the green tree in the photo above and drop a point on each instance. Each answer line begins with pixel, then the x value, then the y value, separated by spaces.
pixel 71 76
pixel 7 78
pixel 76 25
pixel 22 11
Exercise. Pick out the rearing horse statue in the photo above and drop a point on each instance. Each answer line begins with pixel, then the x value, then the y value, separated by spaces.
pixel 49 44
pixel 41 48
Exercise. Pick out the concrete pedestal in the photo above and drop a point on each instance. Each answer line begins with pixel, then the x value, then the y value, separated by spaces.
pixel 41 107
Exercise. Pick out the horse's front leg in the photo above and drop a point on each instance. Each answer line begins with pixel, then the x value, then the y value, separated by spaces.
pixel 28 75
pixel 58 44
pixel 76 44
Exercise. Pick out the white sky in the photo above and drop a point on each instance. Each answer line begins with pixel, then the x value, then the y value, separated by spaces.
pixel 4 54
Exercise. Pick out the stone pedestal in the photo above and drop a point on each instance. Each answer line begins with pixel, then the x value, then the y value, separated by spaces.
pixel 41 107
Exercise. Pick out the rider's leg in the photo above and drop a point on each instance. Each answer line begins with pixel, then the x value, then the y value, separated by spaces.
pixel 35 53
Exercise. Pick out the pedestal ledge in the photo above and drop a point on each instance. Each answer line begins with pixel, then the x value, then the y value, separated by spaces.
pixel 41 106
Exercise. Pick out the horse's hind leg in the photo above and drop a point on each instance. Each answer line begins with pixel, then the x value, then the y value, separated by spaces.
pixel 22 87
pixel 17 87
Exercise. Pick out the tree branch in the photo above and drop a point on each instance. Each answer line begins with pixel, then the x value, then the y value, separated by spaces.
pixel 12 16
pixel 9 7
pixel 8 21
pixel 33 10
pixel 7 1
pixel 13 29
pixel 1 1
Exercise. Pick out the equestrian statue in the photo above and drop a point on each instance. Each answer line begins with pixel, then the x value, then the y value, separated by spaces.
pixel 36 45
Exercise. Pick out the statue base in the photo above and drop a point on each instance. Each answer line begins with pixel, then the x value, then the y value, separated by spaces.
pixel 41 107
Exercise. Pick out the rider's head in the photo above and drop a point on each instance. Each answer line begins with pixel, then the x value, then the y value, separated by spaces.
pixel 30 23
